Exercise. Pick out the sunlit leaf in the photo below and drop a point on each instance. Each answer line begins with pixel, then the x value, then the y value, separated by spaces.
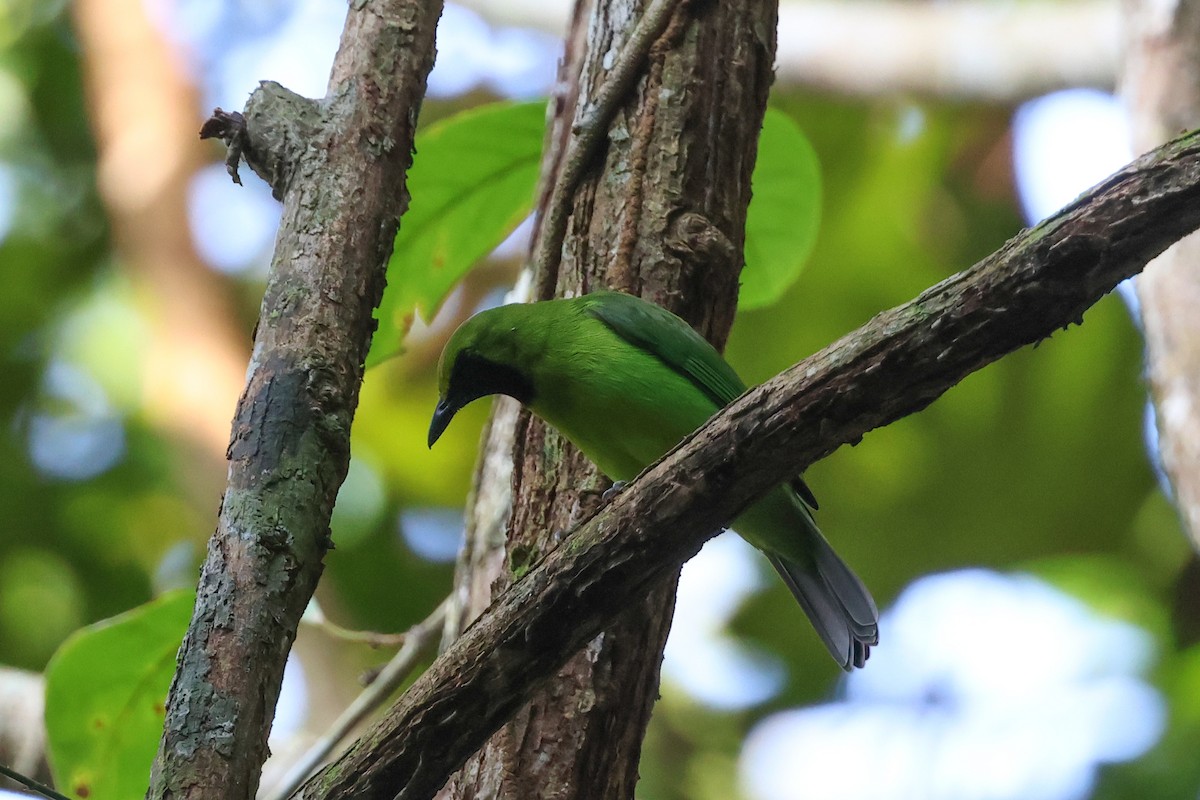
pixel 105 693
pixel 471 183
pixel 781 224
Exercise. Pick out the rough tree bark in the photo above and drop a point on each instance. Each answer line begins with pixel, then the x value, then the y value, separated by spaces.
pixel 1162 86
pixel 1042 280
pixel 663 215
pixel 339 166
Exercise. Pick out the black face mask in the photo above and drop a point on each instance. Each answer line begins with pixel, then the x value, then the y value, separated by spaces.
pixel 473 377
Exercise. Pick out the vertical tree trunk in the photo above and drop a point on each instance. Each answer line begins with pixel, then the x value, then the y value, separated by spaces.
pixel 662 214
pixel 1162 85
pixel 340 165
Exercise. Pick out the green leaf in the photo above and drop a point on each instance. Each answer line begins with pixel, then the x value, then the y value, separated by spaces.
pixel 471 183
pixel 781 224
pixel 105 693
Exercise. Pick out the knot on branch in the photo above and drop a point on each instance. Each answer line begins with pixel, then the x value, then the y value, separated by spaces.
pixel 698 242
pixel 706 255
pixel 271 135
pixel 330 403
pixel 230 128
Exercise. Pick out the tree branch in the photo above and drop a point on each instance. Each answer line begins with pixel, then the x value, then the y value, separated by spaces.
pixel 417 640
pixel 1042 280
pixel 339 166
pixel 31 784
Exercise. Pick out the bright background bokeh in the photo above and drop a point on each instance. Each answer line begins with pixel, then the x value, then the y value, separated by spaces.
pixel 1027 563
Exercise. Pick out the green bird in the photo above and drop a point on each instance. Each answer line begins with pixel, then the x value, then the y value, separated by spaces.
pixel 626 381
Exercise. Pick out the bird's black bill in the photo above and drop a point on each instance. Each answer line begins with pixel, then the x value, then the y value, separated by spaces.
pixel 442 415
pixel 474 377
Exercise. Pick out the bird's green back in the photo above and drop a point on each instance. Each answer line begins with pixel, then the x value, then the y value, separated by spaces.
pixel 669 339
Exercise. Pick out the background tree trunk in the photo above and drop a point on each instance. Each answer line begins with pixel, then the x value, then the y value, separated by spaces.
pixel 1162 85
pixel 197 361
pixel 663 218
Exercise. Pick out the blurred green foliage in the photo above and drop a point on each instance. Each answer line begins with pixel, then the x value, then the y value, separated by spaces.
pixel 69 568
pixel 105 689
pixel 784 213
pixel 1036 462
pixel 473 184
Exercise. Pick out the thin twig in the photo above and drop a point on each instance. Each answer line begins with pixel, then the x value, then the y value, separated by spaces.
pixel 31 784
pixel 417 640
pixel 370 638
pixel 590 131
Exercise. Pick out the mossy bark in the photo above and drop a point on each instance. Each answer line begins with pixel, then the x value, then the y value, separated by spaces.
pixel 339 167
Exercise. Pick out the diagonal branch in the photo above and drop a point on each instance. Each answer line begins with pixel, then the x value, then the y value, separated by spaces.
pixel 1040 281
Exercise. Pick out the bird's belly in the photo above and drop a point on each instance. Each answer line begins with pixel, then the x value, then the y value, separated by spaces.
pixel 623 446
pixel 625 429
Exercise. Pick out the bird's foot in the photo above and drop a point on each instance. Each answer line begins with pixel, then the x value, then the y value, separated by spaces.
pixel 611 492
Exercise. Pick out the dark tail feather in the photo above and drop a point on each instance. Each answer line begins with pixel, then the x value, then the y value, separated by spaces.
pixel 837 602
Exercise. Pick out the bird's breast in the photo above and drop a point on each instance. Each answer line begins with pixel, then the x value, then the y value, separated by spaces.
pixel 623 418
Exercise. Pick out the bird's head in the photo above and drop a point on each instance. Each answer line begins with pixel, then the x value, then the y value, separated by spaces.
pixel 483 357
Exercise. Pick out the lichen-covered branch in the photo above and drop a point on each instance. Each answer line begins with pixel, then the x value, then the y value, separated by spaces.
pixel 1041 281
pixel 339 167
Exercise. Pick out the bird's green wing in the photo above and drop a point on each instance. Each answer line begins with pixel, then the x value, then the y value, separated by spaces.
pixel 669 339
